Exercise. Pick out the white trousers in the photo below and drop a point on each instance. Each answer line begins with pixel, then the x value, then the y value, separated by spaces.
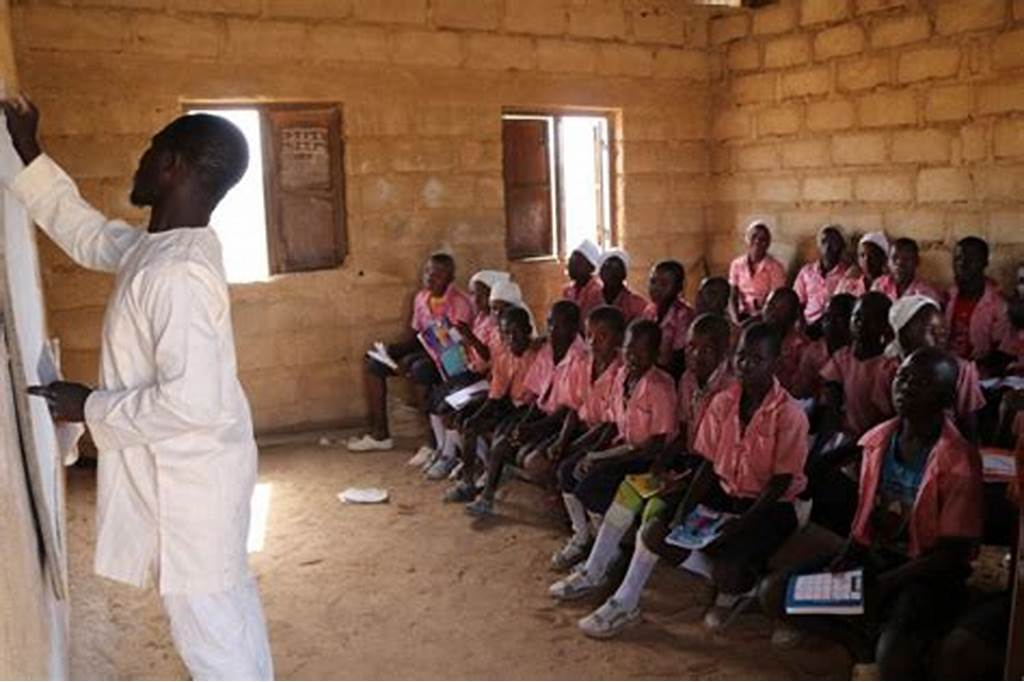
pixel 221 636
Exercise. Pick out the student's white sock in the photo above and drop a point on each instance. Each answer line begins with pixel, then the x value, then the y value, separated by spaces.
pixel 482 449
pixel 640 568
pixel 577 516
pixel 452 442
pixel 616 522
pixel 595 521
pixel 437 426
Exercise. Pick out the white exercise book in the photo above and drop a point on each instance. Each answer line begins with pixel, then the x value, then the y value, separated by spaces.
pixel 826 593
pixel 462 397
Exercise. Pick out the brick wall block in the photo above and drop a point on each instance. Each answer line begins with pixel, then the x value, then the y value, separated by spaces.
pixel 870 6
pixel 901 31
pixel 757 157
pixel 858 149
pixel 743 56
pixel 239 7
pixel 266 40
pixel 840 41
pixel 391 11
pixel 330 42
pixel 598 21
pixel 484 51
pixel 778 121
pixel 783 190
pixel 1000 98
pixel 887 187
pixel 670 62
pixel 820 11
pixel 887 109
pixel 536 16
pixel 755 88
pixel 806 154
pixel 1008 138
pixel 944 185
pixel 58 28
pixel 947 104
pixel 955 16
pixel 789 51
pixel 466 14
pixel 833 114
pixel 161 34
pixel 731 124
pixel 308 9
pixel 974 141
pixel 930 62
pixel 828 188
pixel 812 81
pixel 775 19
pixel 1008 50
pixel 921 146
pixel 433 48
pixel 727 28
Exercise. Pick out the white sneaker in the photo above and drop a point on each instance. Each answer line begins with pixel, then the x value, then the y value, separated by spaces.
pixel 368 443
pixel 421 457
pixel 609 620
pixel 441 467
pixel 576 585
pixel 571 553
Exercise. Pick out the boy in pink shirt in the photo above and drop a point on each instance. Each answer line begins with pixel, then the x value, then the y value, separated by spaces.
pixel 550 400
pixel 918 522
pixel 755 274
pixel 584 289
pixel 835 335
pixel 615 292
pixel 783 312
pixel 976 313
pixel 708 374
pixel 671 312
pixel 753 438
pixel 902 279
pixel 439 300
pixel 817 281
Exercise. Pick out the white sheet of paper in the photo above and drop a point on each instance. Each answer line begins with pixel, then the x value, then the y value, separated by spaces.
pixel 363 495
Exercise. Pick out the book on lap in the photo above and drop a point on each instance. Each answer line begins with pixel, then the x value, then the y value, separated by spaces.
pixel 826 594
pixel 700 529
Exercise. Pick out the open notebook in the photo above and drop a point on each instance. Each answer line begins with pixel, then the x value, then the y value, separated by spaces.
pixel 826 593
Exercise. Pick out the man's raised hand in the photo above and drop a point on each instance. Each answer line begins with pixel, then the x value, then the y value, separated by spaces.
pixel 66 400
pixel 23 125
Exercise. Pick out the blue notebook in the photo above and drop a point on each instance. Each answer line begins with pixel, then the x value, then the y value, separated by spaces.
pixel 699 529
pixel 826 593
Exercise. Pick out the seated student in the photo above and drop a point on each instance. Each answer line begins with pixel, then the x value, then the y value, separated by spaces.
pixel 917 322
pixel 550 401
pixel 755 274
pixel 672 313
pixel 439 300
pixel 753 437
pixel 902 278
pixel 919 517
pixel 508 399
pixel 615 292
pixel 584 289
pixel 975 649
pixel 835 335
pixel 976 311
pixel 872 258
pixel 708 373
pixel 713 297
pixel 856 378
pixel 477 338
pixel 642 408
pixel 590 379
pixel 1013 343
pixel 817 281
pixel 782 311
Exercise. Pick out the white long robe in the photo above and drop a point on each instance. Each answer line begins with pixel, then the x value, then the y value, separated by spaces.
pixel 177 457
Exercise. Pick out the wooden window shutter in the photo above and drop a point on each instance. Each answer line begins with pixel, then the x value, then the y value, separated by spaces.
pixel 304 174
pixel 528 188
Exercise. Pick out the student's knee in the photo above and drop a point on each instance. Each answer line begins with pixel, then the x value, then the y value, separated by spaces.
pixel 537 467
pixel 963 656
pixel 423 372
pixel 653 533
pixel 732 577
pixel 897 655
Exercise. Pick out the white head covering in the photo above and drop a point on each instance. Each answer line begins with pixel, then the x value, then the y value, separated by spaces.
pixel 590 251
pixel 489 278
pixel 832 226
pixel 615 253
pixel 902 312
pixel 507 291
pixel 754 223
pixel 878 239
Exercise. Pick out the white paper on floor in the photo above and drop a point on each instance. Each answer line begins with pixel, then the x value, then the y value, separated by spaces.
pixel 363 495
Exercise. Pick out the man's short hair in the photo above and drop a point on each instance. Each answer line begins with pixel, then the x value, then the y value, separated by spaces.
pixel 609 316
pixel 647 330
pixel 762 332
pixel 974 243
pixel 445 260
pixel 675 268
pixel 213 147
pixel 906 243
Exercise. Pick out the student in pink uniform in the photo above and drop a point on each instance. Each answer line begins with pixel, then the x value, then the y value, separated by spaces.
pixel 754 440
pixel 755 274
pixel 976 312
pixel 854 375
pixel 902 278
pixel 589 383
pixel 917 525
pixel 549 398
pixel 584 288
pixel 917 323
pixel 783 312
pixel 817 281
pixel 872 260
pixel 508 398
pixel 835 335
pixel 709 372
pixel 439 300
pixel 672 314
pixel 615 292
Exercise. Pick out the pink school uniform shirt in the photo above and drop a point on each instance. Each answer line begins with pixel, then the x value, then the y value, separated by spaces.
pixel 675 326
pixel 754 287
pixel 455 305
pixel 887 285
pixel 949 503
pixel 592 394
pixel 814 289
pixel 485 328
pixel 813 359
pixel 587 298
pixel 631 304
pixel 854 284
pixel 866 388
pixel 788 368
pixel 694 399
pixel 774 442
pixel 649 410
pixel 989 325
pixel 549 381
pixel 508 375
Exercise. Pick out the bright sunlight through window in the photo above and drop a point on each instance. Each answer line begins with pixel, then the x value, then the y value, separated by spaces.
pixel 585 180
pixel 240 219
pixel 259 511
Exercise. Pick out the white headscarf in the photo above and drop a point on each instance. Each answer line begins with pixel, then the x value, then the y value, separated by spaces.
pixel 590 251
pixel 878 239
pixel 615 253
pixel 902 312
pixel 507 291
pixel 832 226
pixel 767 224
pixel 490 278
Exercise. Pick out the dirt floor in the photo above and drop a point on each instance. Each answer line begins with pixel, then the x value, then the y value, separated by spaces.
pixel 413 589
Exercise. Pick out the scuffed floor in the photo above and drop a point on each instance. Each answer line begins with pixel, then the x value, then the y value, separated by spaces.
pixel 413 589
